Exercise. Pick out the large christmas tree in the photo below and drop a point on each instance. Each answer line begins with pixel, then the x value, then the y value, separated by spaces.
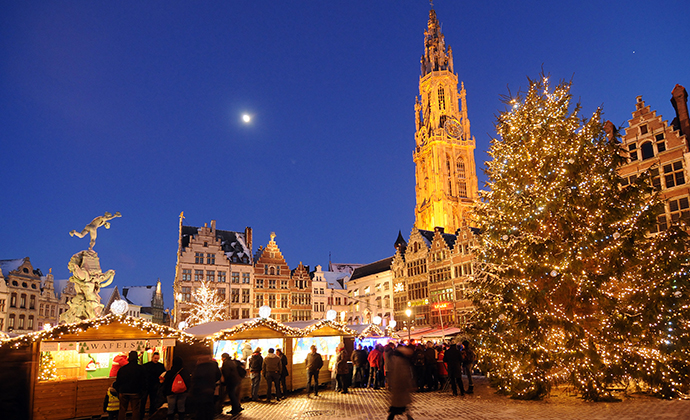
pixel 206 306
pixel 574 286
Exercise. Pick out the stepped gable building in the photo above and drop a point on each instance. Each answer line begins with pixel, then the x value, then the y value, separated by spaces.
pixel 430 273
pixel 662 149
pixel 445 170
pixel 301 293
pixel 272 282
pixel 220 257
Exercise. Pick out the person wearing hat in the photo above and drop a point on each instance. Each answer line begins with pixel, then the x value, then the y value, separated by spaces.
pixel 131 379
pixel 255 364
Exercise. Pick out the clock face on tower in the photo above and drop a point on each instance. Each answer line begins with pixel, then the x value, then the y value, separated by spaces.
pixel 453 129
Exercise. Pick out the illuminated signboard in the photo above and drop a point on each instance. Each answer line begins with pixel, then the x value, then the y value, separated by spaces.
pixel 441 305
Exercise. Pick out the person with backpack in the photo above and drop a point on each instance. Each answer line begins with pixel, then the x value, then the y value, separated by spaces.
pixel 175 388
pixel 231 370
pixel 314 363
pixel 468 362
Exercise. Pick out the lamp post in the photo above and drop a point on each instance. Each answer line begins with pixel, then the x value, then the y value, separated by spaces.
pixel 408 312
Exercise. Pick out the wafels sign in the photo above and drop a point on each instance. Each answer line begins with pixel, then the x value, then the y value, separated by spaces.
pixel 107 346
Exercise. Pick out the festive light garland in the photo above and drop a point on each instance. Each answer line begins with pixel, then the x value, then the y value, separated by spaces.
pixel 571 286
pixel 252 324
pixel 58 331
pixel 372 330
pixel 342 328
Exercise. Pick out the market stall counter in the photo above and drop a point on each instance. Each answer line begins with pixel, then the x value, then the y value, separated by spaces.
pixel 72 365
pixel 326 335
pixel 240 337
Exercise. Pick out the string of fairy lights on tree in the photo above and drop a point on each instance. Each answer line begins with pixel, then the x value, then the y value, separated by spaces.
pixel 573 285
pixel 206 306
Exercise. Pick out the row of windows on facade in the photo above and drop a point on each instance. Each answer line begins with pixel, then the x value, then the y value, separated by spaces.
pixel 673 175
pixel 211 276
pixel 211 258
pixel 273 284
pixel 24 284
pixel 367 290
pixel 22 301
pixel 282 300
pixel 420 291
pixel 186 293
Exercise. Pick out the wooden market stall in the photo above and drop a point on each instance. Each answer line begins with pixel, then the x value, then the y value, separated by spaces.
pixel 240 337
pixel 326 335
pixel 72 365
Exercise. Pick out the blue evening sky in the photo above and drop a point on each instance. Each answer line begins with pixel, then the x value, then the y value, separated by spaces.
pixel 135 106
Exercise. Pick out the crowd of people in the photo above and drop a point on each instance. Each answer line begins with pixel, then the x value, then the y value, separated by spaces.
pixel 399 368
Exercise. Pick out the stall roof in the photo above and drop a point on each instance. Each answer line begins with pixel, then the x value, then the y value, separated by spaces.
pixel 321 327
pixel 237 329
pixel 439 333
pixel 364 329
pixel 113 327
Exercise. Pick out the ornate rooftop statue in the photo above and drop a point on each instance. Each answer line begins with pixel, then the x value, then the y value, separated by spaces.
pixel 87 276
pixel 92 227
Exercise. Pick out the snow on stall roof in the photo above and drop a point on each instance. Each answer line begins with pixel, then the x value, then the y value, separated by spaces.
pixel 139 295
pixel 204 330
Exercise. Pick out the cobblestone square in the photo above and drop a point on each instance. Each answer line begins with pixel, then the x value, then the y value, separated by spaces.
pixel 368 404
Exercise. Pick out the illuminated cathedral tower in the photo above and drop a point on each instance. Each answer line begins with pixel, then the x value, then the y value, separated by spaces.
pixel 444 154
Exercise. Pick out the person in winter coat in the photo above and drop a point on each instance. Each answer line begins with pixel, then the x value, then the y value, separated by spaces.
pixel 204 378
pixel 400 381
pixel 453 359
pixel 283 373
pixel 176 400
pixel 441 367
pixel 256 362
pixel 111 403
pixel 375 359
pixel 343 368
pixel 232 382
pixel 154 369
pixel 272 367
pixel 468 364
pixel 419 366
pixel 131 380
pixel 118 361
pixel 430 367
pixel 314 363
pixel 359 363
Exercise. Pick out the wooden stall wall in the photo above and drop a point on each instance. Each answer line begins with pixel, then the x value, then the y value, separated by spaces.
pixel 56 400
pixel 15 382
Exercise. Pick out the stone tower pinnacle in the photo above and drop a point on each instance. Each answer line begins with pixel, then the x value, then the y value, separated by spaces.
pixel 444 155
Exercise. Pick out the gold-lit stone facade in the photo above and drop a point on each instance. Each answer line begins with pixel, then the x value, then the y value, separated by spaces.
pixel 445 171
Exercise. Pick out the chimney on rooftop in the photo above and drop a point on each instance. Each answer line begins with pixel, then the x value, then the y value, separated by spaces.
pixel 213 226
pixel 679 100
pixel 439 229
